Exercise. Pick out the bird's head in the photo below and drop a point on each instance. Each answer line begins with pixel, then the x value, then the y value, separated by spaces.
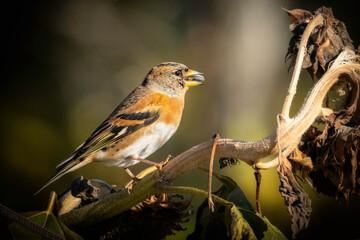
pixel 173 78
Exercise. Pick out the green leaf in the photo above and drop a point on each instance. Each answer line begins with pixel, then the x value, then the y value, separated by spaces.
pixel 273 232
pixel 70 235
pixel 210 226
pixel 45 219
pixel 238 222
pixel 239 228
pixel 261 226
pixel 228 182
pixel 235 195
pixel 238 197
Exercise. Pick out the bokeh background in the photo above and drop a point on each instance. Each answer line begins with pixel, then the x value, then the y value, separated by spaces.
pixel 68 64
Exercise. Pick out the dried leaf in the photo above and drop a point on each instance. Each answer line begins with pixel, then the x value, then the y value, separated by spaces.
pixel 336 159
pixel 299 19
pixel 334 151
pixel 325 42
pixel 301 162
pixel 296 199
pixel 297 15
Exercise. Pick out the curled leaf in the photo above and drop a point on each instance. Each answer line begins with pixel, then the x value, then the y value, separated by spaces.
pixel 335 154
pixel 334 150
pixel 301 162
pixel 296 199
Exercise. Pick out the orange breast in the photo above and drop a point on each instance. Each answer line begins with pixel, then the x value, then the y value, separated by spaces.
pixel 170 108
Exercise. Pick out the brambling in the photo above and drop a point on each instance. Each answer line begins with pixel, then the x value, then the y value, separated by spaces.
pixel 140 125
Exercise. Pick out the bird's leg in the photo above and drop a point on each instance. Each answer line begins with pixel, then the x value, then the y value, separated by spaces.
pixel 159 165
pixel 133 177
pixel 163 163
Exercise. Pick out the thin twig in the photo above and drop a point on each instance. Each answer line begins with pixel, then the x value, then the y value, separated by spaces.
pixel 257 174
pixel 211 166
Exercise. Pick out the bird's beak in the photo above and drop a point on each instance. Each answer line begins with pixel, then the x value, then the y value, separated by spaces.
pixel 193 78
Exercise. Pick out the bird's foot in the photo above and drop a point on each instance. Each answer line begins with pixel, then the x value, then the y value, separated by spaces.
pixel 160 165
pixel 134 180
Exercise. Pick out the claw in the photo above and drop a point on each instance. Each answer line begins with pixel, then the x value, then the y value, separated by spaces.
pixel 130 186
pixel 163 163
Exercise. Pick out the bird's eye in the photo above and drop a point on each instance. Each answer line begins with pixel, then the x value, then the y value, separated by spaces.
pixel 177 73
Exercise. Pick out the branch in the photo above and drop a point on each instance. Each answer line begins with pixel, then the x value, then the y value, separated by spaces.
pixel 312 105
pixel 249 152
pixel 298 65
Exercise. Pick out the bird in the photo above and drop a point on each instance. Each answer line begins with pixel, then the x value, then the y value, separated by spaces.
pixel 142 123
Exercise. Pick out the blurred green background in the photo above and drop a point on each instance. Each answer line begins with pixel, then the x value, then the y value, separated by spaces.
pixel 68 64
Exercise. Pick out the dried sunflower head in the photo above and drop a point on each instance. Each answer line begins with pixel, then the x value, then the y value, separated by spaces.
pixel 325 42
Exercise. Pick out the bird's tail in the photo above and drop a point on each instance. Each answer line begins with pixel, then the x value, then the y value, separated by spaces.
pixel 64 169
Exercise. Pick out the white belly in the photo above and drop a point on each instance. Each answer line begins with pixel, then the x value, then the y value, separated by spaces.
pixel 141 148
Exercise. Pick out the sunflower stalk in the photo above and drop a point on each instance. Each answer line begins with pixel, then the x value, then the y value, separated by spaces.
pixel 249 152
